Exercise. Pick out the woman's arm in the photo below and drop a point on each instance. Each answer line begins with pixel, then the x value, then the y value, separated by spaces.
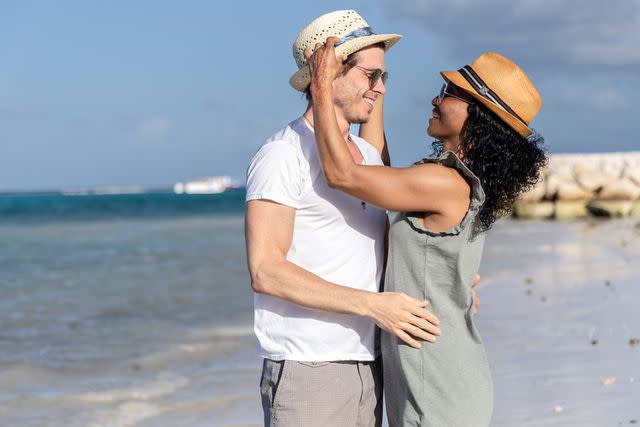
pixel 424 188
pixel 373 131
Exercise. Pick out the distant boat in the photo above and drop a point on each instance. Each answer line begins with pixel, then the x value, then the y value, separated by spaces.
pixel 206 185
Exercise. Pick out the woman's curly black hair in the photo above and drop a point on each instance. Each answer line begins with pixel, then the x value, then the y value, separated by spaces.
pixel 506 163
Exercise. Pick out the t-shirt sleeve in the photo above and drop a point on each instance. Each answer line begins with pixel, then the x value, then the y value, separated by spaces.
pixel 276 173
pixel 370 153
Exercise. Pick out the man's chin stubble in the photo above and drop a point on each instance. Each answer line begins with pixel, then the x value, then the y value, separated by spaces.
pixel 360 121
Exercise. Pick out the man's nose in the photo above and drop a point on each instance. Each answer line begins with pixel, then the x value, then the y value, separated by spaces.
pixel 380 87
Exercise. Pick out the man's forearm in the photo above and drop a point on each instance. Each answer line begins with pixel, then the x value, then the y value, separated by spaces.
pixel 394 312
pixel 284 279
pixel 268 232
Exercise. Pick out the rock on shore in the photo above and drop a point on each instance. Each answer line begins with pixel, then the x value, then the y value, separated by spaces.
pixel 580 185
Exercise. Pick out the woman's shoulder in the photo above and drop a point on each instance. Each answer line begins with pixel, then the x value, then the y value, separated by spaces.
pixel 450 161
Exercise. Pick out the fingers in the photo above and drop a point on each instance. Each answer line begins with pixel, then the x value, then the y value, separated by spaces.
pixel 407 339
pixel 418 332
pixel 427 315
pixel 476 280
pixel 419 310
pixel 476 303
pixel 420 322
pixel 426 326
pixel 405 317
pixel 474 295
pixel 476 300
pixel 410 334
pixel 420 327
pixel 421 303
pixel 321 48
pixel 308 53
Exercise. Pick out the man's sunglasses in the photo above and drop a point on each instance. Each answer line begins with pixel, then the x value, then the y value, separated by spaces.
pixel 374 75
pixel 454 92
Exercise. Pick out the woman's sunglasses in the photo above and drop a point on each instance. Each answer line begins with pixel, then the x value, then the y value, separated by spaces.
pixel 454 92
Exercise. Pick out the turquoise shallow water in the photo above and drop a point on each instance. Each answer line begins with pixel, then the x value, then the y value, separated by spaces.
pixel 56 206
pixel 116 301
pixel 87 285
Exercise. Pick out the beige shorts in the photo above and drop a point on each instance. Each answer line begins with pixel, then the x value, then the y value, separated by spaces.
pixel 323 394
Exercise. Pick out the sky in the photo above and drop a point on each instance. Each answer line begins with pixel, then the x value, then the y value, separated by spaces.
pixel 148 93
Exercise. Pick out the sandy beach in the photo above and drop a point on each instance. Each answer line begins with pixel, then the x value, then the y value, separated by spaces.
pixel 559 319
pixel 560 322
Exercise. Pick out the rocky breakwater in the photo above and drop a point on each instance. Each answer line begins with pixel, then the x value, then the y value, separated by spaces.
pixel 581 185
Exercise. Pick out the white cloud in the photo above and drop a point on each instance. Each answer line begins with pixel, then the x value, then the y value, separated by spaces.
pixel 153 129
pixel 568 33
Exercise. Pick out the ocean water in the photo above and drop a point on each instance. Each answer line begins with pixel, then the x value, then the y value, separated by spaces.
pixel 110 302
pixel 136 310
pixel 58 206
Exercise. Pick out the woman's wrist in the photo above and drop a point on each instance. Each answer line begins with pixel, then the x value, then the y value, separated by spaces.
pixel 320 89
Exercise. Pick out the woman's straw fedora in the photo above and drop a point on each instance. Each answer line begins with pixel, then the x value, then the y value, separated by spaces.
pixel 501 86
pixel 351 28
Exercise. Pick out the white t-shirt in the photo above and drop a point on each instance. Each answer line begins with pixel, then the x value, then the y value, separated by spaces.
pixel 335 237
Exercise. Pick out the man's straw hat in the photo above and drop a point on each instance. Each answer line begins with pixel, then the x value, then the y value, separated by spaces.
pixel 354 34
pixel 501 86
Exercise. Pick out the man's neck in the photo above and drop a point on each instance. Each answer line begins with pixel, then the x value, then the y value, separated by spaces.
pixel 343 125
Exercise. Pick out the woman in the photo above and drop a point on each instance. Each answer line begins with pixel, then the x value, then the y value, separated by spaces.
pixel 440 210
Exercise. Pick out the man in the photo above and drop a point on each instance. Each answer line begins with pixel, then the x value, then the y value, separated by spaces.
pixel 316 255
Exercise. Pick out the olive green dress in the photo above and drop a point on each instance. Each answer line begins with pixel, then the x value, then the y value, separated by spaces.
pixel 446 383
